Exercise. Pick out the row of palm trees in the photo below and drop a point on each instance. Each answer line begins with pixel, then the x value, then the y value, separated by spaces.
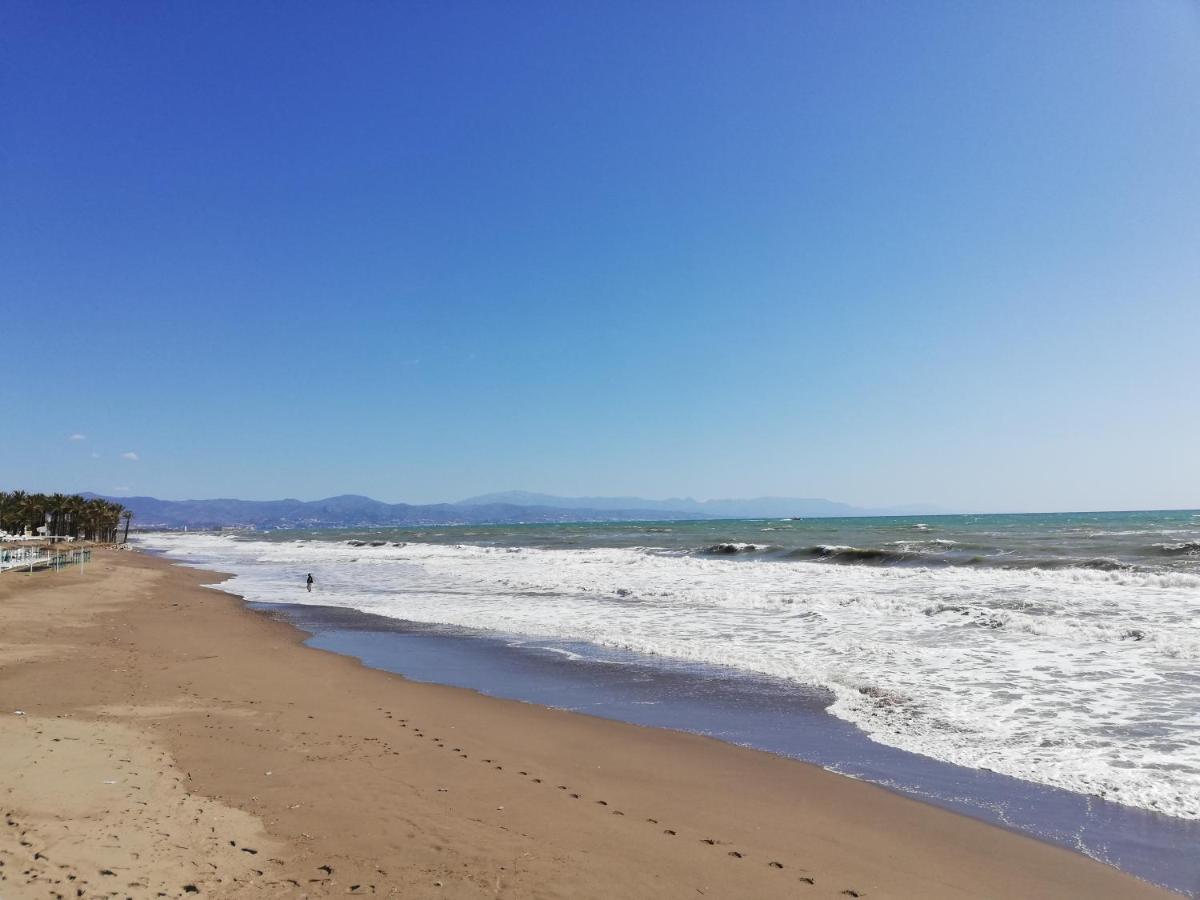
pixel 64 515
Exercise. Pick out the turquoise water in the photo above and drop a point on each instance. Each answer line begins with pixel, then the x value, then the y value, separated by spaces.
pixel 1164 541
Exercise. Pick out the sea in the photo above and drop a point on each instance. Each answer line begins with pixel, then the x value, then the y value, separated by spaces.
pixel 1046 656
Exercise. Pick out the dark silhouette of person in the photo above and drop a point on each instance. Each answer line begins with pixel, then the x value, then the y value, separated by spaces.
pixel 310 582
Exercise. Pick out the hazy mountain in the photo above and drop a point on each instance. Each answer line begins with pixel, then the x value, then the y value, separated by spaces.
pixel 766 507
pixel 508 507
pixel 352 510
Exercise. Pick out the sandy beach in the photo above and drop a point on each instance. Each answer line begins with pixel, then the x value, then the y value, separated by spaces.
pixel 157 738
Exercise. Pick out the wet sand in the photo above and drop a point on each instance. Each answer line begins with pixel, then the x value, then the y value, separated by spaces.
pixel 775 715
pixel 172 741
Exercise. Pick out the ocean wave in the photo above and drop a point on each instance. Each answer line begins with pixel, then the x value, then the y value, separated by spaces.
pixel 899 554
pixel 1124 577
pixel 1096 563
pixel 731 548
pixel 1176 549
pixel 839 553
pixel 942 554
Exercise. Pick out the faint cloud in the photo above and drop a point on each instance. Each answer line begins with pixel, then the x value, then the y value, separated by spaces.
pixel 121 489
pixel 130 455
pixel 95 454
pixel 77 437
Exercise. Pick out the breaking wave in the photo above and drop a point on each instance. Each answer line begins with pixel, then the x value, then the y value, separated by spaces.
pixel 935 553
pixel 1177 549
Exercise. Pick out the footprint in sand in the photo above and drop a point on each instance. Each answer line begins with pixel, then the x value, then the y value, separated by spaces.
pixel 669 831
pixel 808 879
pixel 775 865
pixel 736 855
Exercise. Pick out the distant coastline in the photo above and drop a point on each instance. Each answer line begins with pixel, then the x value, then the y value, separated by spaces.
pixel 352 510
pixel 508 508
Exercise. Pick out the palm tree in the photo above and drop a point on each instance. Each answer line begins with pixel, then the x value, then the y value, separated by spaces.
pixel 114 520
pixel 6 508
pixel 96 519
pixel 127 515
pixel 75 507
pixel 55 506
pixel 33 511
pixel 12 511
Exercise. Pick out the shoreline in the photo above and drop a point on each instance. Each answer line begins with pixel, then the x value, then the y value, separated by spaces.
pixel 322 756
pixel 781 718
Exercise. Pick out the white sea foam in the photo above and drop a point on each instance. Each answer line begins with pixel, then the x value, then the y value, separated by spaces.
pixel 1077 678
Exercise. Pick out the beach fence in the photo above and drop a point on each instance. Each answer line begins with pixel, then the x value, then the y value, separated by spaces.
pixel 34 559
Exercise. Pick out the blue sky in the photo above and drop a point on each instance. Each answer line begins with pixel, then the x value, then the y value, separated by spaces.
pixel 877 252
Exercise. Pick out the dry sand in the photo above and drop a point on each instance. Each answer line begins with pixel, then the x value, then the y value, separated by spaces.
pixel 173 743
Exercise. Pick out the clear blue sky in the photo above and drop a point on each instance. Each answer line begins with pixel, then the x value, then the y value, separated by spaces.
pixel 878 252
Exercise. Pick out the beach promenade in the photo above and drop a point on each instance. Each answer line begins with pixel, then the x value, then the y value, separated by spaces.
pixel 158 738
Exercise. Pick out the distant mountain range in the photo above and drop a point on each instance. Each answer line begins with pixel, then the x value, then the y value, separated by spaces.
pixel 765 507
pixel 351 510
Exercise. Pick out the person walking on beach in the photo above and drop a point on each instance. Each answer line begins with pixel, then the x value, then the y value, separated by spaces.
pixel 309 583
